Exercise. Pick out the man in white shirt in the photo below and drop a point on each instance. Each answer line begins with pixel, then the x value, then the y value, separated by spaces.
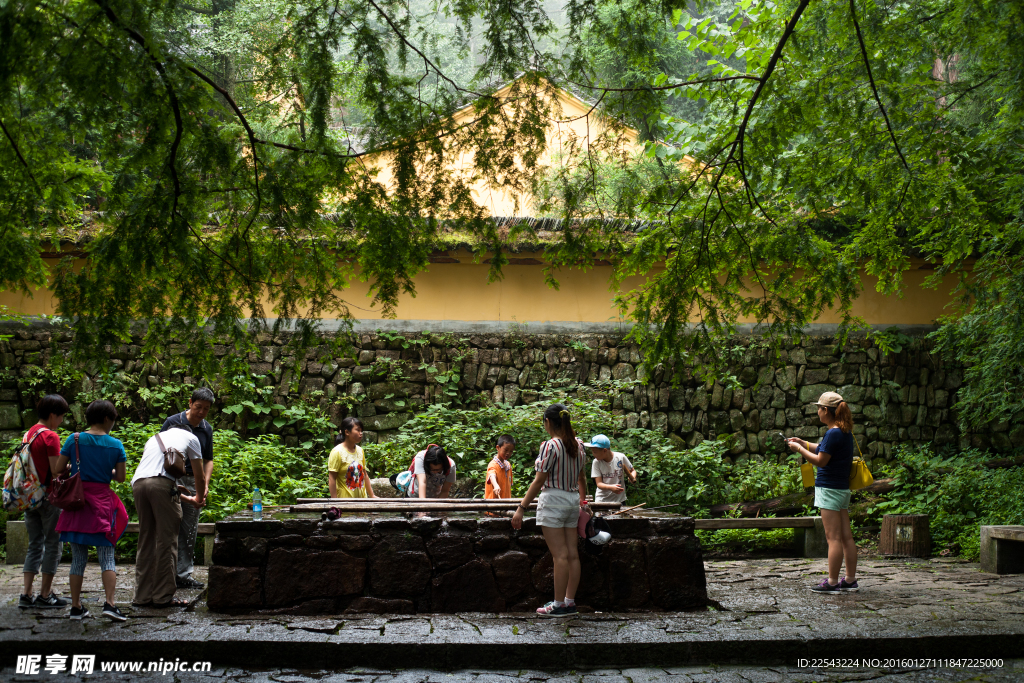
pixel 609 471
pixel 159 507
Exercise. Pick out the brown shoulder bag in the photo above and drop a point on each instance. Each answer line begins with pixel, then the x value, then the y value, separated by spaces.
pixel 174 461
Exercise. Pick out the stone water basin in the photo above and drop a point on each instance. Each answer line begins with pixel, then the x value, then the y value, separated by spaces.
pixel 449 562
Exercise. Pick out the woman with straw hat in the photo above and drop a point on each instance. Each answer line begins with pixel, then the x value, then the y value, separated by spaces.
pixel 833 456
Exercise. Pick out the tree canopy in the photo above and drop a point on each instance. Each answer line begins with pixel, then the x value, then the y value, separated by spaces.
pixel 219 156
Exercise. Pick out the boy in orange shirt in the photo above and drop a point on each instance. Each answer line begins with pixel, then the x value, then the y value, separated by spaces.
pixel 499 471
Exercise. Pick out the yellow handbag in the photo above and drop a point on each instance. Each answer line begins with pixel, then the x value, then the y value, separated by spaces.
pixel 860 475
pixel 807 474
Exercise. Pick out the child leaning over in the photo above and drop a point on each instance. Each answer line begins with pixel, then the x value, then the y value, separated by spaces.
pixel 609 470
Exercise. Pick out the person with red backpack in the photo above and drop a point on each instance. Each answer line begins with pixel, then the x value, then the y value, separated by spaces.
pixel 44 547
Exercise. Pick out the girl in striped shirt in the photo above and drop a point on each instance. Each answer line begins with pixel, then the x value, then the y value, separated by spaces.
pixel 562 485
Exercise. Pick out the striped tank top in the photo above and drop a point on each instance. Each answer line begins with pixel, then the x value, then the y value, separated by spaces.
pixel 563 471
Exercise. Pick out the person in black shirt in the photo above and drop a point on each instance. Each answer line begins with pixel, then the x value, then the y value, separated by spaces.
pixel 192 420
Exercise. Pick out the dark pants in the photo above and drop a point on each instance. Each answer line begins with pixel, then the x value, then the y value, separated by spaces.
pixel 156 499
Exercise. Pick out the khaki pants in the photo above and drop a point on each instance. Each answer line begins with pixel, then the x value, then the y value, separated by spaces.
pixel 159 508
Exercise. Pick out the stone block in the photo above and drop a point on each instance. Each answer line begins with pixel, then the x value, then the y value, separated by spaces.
pixel 386 422
pixel 676 573
pixel 448 552
pixel 399 566
pixel 17 541
pixel 366 605
pixel 512 573
pixel 812 542
pixel 1002 555
pixel 10 416
pixel 239 552
pixel 233 587
pixel 470 588
pixel 627 574
pixel 301 574
pixel 629 527
pixel 811 392
pixel 673 526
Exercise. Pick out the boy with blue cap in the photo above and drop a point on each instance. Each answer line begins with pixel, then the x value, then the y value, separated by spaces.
pixel 609 470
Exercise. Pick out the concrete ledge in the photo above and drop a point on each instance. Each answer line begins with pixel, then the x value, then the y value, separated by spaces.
pixel 1002 549
pixel 450 642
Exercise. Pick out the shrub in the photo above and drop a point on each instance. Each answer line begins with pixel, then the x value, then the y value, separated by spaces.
pixel 958 492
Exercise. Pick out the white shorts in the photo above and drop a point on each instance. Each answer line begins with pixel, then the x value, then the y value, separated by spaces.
pixel 558 509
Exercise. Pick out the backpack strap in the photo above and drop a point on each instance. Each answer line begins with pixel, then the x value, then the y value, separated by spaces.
pixel 163 449
pixel 44 429
pixel 78 460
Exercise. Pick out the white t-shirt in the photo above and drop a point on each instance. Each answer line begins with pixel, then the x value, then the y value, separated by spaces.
pixel 152 463
pixel 612 472
pixel 434 481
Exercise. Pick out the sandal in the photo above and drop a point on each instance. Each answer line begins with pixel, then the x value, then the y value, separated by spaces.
pixel 176 602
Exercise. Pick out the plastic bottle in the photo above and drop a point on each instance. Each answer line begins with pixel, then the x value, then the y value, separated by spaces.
pixel 257 504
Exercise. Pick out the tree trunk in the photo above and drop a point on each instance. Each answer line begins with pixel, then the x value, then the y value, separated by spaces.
pixel 792 503
pixel 906 535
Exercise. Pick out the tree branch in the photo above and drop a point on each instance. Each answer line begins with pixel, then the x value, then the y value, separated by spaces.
pixel 871 79
pixel 252 142
pixel 17 151
pixel 199 10
pixel 158 65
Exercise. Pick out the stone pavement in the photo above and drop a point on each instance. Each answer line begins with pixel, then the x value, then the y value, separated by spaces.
pixel 767 616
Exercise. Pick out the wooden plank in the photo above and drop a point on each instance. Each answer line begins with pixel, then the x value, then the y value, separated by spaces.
pixel 205 529
pixel 1007 533
pixel 756 523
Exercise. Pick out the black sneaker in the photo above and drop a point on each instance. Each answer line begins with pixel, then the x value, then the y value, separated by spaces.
pixel 111 612
pixel 78 612
pixel 52 601
pixel 571 609
pixel 848 586
pixel 188 583
pixel 825 587
pixel 25 601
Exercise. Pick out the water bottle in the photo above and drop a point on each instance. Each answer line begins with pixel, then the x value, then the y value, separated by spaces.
pixel 257 504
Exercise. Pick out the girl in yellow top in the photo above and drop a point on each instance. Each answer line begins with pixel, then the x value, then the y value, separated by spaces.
pixel 346 466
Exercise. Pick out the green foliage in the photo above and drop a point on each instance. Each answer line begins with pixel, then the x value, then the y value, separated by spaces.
pixel 281 473
pixel 890 340
pixel 958 492
pixel 749 540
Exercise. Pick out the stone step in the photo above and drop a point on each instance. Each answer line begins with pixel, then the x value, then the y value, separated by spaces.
pixel 484 641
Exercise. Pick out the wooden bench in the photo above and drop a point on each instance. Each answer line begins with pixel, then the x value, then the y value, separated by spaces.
pixel 809 532
pixel 17 540
pixel 1002 549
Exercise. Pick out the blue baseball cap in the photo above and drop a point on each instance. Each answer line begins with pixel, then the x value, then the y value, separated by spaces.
pixel 599 441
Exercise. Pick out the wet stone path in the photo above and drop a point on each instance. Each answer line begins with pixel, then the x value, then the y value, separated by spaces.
pixel 905 608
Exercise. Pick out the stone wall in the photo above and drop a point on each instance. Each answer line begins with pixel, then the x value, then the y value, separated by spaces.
pixel 400 566
pixel 905 397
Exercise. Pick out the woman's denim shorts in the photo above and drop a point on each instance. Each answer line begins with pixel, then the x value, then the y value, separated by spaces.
pixel 831 499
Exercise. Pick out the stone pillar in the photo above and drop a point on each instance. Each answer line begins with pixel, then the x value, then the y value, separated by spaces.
pixel 812 542
pixel 17 542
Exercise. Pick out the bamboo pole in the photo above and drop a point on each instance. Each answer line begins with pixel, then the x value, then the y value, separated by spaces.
pixel 414 505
